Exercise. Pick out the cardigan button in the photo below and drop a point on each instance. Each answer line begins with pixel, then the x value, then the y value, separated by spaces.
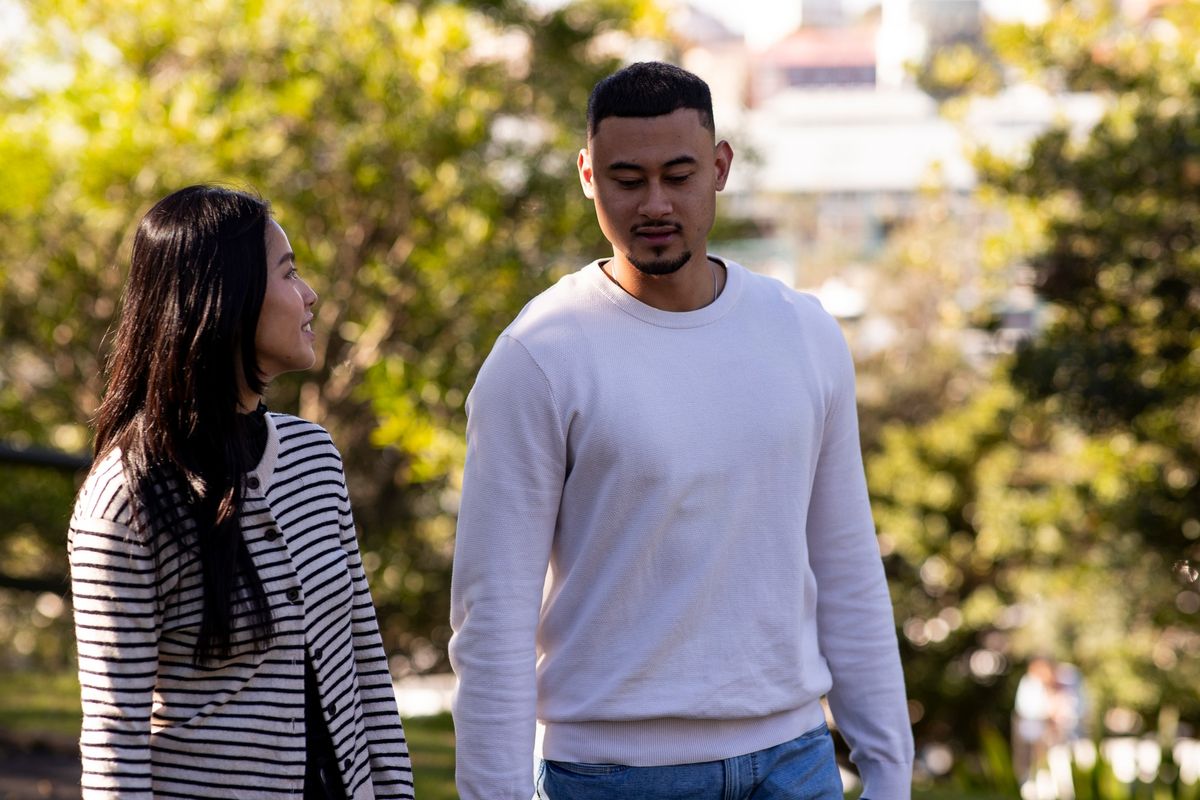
pixel 316 654
pixel 293 595
pixel 348 763
pixel 332 709
pixel 272 534
pixel 252 482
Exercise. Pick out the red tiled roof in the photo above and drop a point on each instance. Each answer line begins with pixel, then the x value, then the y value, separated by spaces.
pixel 824 47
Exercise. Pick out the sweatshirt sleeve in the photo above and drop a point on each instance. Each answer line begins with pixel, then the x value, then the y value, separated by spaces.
pixel 117 626
pixel 854 612
pixel 512 484
pixel 387 747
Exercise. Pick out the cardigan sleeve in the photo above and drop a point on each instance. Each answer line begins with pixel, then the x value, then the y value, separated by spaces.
pixel 117 626
pixel 512 487
pixel 387 747
pixel 855 622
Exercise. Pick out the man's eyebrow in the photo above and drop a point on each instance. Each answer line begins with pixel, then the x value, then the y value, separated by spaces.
pixel 680 160
pixel 674 162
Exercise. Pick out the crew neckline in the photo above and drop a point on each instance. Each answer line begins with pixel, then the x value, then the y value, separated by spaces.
pixel 696 318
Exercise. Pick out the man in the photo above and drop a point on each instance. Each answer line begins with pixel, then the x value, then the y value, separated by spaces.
pixel 665 551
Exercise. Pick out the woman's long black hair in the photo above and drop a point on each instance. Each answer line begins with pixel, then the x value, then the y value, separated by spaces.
pixel 189 313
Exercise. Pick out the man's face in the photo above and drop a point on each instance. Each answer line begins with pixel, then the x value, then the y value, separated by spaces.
pixel 654 182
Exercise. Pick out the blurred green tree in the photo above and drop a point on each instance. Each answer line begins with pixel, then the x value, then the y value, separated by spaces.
pixel 918 351
pixel 1120 261
pixel 1045 515
pixel 420 156
pixel 1009 533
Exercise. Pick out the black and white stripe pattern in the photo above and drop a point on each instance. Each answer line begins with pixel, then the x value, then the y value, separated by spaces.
pixel 156 725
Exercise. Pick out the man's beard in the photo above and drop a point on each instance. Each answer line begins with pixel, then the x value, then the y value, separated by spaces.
pixel 662 266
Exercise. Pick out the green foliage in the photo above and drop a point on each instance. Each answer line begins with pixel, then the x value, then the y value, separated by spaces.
pixel 1121 264
pixel 44 499
pixel 431 746
pixel 1045 514
pixel 420 157
pixel 926 266
pixel 998 762
pixel 1092 775
pixel 959 69
pixel 1120 268
pixel 41 703
pixel 1007 533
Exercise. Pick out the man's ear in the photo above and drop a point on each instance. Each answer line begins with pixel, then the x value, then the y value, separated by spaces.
pixel 724 158
pixel 585 174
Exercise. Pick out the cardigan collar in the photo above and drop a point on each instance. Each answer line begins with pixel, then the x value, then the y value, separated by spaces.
pixel 258 480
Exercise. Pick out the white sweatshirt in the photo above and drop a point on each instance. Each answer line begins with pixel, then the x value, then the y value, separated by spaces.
pixel 694 483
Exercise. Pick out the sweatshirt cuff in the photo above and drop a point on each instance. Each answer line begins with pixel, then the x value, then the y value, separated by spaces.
pixel 886 780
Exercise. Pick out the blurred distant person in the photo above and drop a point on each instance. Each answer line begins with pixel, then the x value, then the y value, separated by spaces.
pixel 1034 712
pixel 1068 711
pixel 673 440
pixel 1071 708
pixel 228 646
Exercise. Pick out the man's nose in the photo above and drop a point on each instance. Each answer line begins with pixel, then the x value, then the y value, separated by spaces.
pixel 657 202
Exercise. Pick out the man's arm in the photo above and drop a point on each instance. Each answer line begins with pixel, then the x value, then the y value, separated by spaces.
pixel 512 483
pixel 854 612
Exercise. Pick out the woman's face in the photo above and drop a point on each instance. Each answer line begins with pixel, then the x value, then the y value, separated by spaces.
pixel 284 338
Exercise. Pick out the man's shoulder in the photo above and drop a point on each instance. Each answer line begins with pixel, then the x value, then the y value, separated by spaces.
pixel 763 291
pixel 556 309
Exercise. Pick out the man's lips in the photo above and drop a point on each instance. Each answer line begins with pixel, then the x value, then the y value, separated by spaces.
pixel 656 234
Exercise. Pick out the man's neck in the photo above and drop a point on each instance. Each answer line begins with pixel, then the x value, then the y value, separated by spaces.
pixel 694 285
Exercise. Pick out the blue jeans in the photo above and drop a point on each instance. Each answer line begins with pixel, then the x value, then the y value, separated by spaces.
pixel 802 769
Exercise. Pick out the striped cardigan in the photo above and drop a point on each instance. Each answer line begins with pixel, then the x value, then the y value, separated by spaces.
pixel 154 724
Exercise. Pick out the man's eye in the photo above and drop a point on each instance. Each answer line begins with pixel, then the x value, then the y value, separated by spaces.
pixel 678 178
pixel 629 183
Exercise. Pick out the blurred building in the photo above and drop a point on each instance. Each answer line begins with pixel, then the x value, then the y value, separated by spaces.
pixel 947 22
pixel 719 55
pixel 822 13
pixel 911 29
pixel 816 57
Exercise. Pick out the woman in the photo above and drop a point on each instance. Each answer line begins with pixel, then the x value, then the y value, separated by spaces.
pixel 228 646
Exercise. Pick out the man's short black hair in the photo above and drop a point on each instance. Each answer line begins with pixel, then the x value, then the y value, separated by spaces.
pixel 648 89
